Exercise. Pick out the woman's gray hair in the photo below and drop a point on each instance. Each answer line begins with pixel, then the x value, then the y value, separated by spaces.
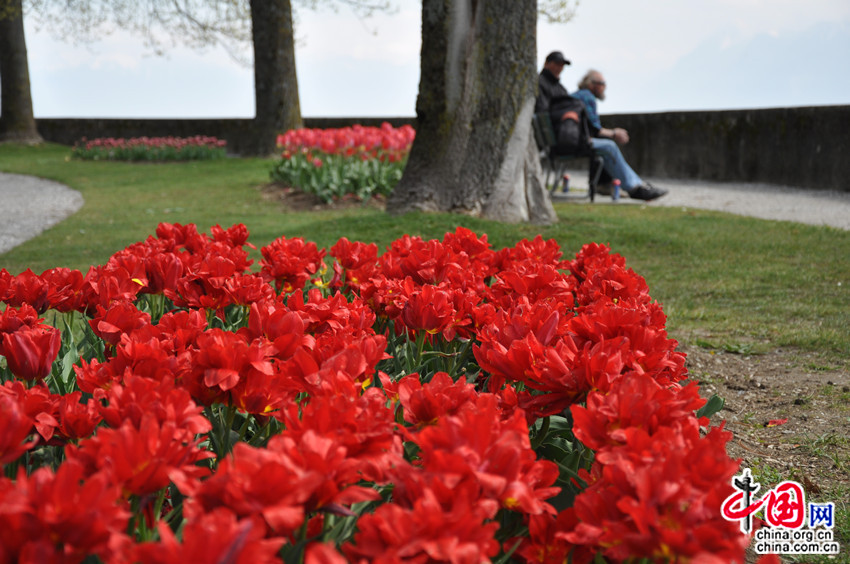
pixel 589 77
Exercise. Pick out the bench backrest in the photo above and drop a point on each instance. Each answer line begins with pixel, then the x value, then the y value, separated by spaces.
pixel 544 133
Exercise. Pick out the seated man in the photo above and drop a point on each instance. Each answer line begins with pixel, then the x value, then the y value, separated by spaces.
pixel 548 83
pixel 605 141
pixel 571 130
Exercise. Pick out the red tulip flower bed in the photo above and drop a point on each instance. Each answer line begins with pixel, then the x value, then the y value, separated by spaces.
pixel 439 401
pixel 359 162
pixel 157 149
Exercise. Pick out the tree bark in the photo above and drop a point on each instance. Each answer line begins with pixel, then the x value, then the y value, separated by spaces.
pixel 474 151
pixel 17 122
pixel 275 82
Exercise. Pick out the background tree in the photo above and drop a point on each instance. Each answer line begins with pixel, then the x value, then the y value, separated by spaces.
pixel 557 11
pixel 17 123
pixel 474 151
pixel 278 107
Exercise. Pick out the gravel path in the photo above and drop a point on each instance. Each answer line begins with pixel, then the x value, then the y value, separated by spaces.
pixel 815 207
pixel 29 205
pixel 765 201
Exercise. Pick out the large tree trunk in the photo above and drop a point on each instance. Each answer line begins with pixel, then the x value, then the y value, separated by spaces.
pixel 474 152
pixel 17 123
pixel 275 81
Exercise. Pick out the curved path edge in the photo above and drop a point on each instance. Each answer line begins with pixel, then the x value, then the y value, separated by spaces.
pixel 30 205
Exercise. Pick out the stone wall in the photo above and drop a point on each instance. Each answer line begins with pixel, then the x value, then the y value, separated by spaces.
pixel 806 147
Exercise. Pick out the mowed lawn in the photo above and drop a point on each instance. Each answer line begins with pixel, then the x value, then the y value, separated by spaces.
pixel 722 279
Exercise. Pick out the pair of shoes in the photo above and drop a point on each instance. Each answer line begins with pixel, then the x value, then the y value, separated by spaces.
pixel 603 189
pixel 646 192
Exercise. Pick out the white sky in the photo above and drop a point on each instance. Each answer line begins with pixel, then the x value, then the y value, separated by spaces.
pixel 656 55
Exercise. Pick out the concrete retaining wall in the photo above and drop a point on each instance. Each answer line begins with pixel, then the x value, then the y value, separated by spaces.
pixel 805 147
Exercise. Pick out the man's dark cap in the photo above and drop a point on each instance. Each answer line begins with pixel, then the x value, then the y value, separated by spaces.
pixel 557 57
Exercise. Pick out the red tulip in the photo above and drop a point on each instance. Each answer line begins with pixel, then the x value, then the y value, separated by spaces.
pixel 13 319
pixel 61 517
pixel 290 262
pixel 30 351
pixel 64 286
pixel 209 538
pixel 143 459
pixel 15 428
pixel 118 319
pixel 29 288
pixel 6 285
pixel 429 310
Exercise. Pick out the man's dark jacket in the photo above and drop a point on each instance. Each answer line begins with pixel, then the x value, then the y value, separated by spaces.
pixel 550 88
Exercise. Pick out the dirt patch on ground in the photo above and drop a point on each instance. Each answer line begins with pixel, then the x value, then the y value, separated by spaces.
pixel 789 412
pixel 293 199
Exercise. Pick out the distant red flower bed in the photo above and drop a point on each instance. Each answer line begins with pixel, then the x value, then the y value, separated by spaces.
pixel 198 147
pixel 440 401
pixel 385 143
pixel 353 161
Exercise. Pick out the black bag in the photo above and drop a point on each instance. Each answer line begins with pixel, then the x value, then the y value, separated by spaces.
pixel 572 129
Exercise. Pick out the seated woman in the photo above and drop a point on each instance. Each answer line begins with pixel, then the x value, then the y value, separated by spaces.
pixel 606 141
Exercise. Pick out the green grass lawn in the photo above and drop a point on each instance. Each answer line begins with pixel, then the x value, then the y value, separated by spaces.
pixel 722 279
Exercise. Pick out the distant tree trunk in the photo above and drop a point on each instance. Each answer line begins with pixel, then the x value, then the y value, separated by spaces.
pixel 474 152
pixel 17 123
pixel 275 81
